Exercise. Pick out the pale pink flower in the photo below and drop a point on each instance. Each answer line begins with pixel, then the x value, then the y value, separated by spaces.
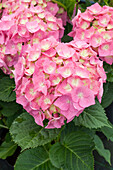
pixel 55 123
pixel 96 40
pixel 83 96
pixel 52 8
pixel 32 26
pixel 30 93
pixel 49 66
pixel 40 83
pixel 64 87
pixel 55 79
pixel 105 49
pixel 64 51
pixel 39 117
pixel 95 9
pixel 45 101
pixel 87 16
pixel 66 71
pixel 6 25
pixel 65 103
pixel 104 20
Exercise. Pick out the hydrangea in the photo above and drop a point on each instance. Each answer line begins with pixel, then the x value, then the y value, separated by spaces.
pixel 11 7
pixel 95 26
pixel 23 21
pixel 57 81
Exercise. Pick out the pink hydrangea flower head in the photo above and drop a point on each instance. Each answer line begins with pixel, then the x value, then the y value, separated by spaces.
pixel 57 81
pixel 27 21
pixel 95 26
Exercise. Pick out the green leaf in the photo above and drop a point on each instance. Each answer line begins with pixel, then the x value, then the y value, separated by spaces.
pixel 6 89
pixel 101 150
pixel 7 149
pixel 111 3
pixel 109 71
pixel 108 132
pixel 27 134
pixel 70 127
pixel 73 152
pixel 84 5
pixel 106 2
pixel 68 28
pixel 68 5
pixel 10 108
pixel 107 98
pixel 3 126
pixel 34 159
pixel 1 74
pixel 8 137
pixel 92 117
pixel 10 119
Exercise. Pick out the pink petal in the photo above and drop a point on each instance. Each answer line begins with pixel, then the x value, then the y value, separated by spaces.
pixel 63 102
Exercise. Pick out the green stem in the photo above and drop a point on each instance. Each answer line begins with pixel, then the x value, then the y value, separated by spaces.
pixel 3 126
pixel 59 135
pixel 106 2
pixel 77 7
pixel 60 4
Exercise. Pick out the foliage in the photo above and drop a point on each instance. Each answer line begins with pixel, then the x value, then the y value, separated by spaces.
pixel 6 89
pixel 107 97
pixel 67 155
pixel 92 117
pixel 67 5
pixel 27 134
pixel 7 149
pixel 109 71
pixel 100 148
pixel 37 158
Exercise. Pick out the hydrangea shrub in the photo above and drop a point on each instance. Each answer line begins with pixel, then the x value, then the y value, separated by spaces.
pixel 54 92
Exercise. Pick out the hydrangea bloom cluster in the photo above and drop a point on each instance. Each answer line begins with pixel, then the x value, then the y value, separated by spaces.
pixel 57 81
pixel 11 6
pixel 95 26
pixel 23 21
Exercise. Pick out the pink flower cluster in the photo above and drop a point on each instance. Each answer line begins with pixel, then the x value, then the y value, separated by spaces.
pixel 57 81
pixel 26 20
pixel 11 6
pixel 54 81
pixel 95 26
